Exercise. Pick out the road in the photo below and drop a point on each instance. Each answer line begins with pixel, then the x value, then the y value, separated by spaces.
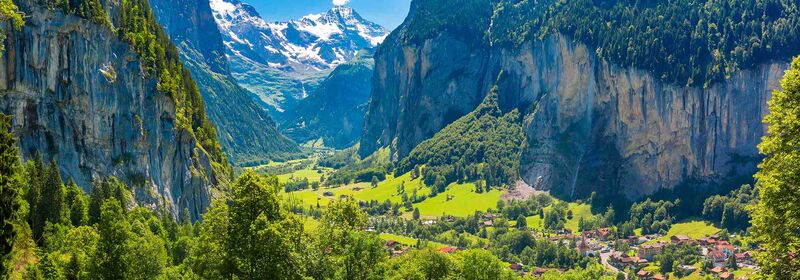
pixel 604 260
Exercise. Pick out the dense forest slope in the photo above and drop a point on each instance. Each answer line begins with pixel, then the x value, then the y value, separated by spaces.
pixel 597 117
pixel 110 103
pixel 335 111
pixel 246 131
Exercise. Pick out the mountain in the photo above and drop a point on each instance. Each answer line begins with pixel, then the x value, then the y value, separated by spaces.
pixel 85 92
pixel 282 62
pixel 334 113
pixel 246 131
pixel 600 112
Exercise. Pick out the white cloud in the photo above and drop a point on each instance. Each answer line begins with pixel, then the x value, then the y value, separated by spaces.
pixel 340 2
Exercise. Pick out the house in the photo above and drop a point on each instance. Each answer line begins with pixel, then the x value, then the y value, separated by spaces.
pixel 540 271
pixel 603 233
pixel 489 217
pixel 515 267
pixel 726 247
pixel 707 241
pixel 659 277
pixel 717 270
pixel 488 223
pixel 680 239
pixel 391 243
pixel 716 256
pixel 650 251
pixel 448 250
pixel 726 276
pixel 643 274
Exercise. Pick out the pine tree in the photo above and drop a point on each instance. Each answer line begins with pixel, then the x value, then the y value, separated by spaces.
pixel 776 223
pixel 10 190
pixel 51 204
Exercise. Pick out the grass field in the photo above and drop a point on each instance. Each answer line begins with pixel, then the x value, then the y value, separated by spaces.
pixel 306 173
pixel 465 201
pixel 578 211
pixel 693 229
pixel 408 241
pixel 388 189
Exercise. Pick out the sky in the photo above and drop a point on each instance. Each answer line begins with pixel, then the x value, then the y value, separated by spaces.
pixel 387 13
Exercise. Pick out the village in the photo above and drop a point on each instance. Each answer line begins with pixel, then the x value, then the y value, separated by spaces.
pixel 635 257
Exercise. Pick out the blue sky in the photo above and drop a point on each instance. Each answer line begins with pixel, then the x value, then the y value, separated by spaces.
pixel 388 13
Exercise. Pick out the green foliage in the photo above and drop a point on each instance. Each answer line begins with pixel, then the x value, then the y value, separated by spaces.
pixel 701 41
pixel 652 216
pixel 481 265
pixel 11 187
pixel 108 188
pixel 9 14
pixel 114 230
pixel 483 145
pixel 263 237
pixel 731 211
pixel 776 223
pixel 465 19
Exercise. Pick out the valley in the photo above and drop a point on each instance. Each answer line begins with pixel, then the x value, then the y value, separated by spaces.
pixel 470 139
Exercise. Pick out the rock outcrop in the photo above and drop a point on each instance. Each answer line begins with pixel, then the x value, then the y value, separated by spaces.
pixel 79 96
pixel 590 125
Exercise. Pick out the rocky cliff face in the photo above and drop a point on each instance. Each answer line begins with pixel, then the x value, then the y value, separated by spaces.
pixel 246 131
pixel 79 96
pixel 590 126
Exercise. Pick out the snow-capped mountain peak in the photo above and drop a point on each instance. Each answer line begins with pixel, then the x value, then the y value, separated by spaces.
pixel 316 42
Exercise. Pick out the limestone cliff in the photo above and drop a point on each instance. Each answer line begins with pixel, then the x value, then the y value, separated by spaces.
pixel 590 125
pixel 79 96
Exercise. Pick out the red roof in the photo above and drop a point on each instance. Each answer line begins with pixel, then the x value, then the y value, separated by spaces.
pixel 717 270
pixel 658 277
pixel 515 267
pixel 725 275
pixel 448 250
pixel 642 273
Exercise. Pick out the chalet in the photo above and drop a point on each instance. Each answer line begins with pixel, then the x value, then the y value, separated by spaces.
pixel 717 257
pixel 707 241
pixel 726 276
pixel 643 274
pixel 603 233
pixel 488 223
pixel 726 247
pixel 650 251
pixel 717 270
pixel 515 267
pixel 448 250
pixel 540 271
pixel 680 239
pixel 659 277
pixel 391 243
pixel 489 217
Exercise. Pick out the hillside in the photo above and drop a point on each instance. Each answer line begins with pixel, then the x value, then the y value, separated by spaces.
pixel 595 118
pixel 247 133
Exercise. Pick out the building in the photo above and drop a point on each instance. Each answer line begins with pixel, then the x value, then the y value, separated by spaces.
pixel 650 251
pixel 726 276
pixel 515 267
pixel 726 247
pixel 717 257
pixel 603 233
pixel 680 239
pixel 643 274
